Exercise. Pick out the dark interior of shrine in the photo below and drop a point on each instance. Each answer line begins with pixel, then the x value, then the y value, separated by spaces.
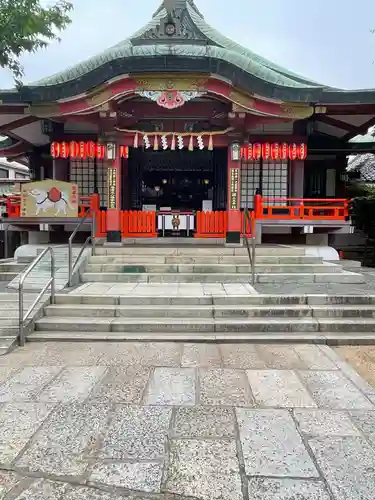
pixel 180 180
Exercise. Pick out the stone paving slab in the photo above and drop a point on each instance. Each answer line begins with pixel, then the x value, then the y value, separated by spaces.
pixel 137 433
pixel 279 388
pixel 318 423
pixel 171 386
pixel 204 469
pixel 62 447
pixel 348 464
pixel 204 422
pixel 333 390
pixel 170 421
pixel 272 446
pixel 287 489
pixel 224 388
pixel 145 477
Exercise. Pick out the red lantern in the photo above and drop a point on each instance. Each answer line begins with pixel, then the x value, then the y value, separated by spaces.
pixel 266 151
pixel 100 151
pixel 74 149
pixel 292 151
pixel 55 149
pixel 83 150
pixel 91 149
pixel 124 152
pixel 256 151
pixel 302 151
pixel 249 152
pixel 275 151
pixel 64 150
pixel 284 150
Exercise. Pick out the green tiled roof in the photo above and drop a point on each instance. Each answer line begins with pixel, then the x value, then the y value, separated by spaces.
pixel 216 46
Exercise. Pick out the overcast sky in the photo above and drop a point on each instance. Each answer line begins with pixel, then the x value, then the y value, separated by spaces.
pixel 326 40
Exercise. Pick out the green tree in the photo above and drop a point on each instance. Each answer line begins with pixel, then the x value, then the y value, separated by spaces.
pixel 26 26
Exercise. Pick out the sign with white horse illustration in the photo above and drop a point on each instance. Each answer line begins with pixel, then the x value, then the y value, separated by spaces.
pixel 49 198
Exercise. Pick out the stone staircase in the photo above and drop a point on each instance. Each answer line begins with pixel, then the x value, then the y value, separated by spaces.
pixel 40 275
pixel 10 269
pixel 274 264
pixel 159 313
pixel 9 323
pixel 254 318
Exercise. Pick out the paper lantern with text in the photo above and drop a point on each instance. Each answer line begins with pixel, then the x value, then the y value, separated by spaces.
pixel 91 149
pixel 292 151
pixel 275 151
pixel 55 149
pixel 74 149
pixel 100 151
pixel 266 151
pixel 302 151
pixel 82 150
pixel 64 150
pixel 249 152
pixel 256 151
pixel 284 151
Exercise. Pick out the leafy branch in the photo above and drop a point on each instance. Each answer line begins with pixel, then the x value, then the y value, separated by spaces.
pixel 25 26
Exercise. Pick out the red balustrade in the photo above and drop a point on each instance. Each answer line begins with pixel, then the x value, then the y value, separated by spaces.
pixel 334 209
pixel 211 224
pixel 138 224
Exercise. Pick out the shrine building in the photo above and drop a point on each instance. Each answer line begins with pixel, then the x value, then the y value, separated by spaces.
pixel 179 131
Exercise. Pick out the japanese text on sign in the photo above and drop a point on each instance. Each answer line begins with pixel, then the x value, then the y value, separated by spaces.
pixel 234 176
pixel 112 187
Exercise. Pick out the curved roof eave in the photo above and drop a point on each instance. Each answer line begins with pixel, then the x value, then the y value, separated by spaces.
pixel 225 42
pixel 127 50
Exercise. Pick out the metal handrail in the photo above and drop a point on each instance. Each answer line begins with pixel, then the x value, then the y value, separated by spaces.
pixel 251 253
pixel 91 238
pixel 51 282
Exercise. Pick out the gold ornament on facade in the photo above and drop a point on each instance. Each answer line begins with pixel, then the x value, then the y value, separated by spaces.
pixel 171 82
pixel 241 99
pixel 296 111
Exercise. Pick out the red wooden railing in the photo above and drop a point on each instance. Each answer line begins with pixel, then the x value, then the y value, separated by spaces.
pixel 215 224
pixel 138 224
pixel 211 224
pixel 301 208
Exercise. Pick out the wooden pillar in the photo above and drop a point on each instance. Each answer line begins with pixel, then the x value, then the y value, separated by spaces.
pixel 233 205
pixel 114 198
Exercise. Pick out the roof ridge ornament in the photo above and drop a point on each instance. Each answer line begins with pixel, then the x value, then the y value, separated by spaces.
pixel 172 23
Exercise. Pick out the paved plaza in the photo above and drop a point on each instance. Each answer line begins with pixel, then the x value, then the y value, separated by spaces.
pixel 171 421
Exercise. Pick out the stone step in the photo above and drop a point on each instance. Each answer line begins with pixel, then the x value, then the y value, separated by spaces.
pixel 337 277
pixel 213 268
pixel 77 324
pixel 196 250
pixel 224 300
pixel 272 324
pixel 7 344
pixel 354 338
pixel 204 311
pixel 11 267
pixel 8 276
pixel 213 259
pixel 112 311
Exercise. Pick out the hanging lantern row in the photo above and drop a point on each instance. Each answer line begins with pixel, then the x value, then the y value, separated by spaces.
pixel 84 150
pixel 173 142
pixel 274 151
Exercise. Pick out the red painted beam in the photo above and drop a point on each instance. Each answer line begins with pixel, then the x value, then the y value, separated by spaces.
pixel 142 110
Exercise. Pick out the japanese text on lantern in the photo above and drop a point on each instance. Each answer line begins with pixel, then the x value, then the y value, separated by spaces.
pixel 83 150
pixel 234 177
pixel 112 187
pixel 274 151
